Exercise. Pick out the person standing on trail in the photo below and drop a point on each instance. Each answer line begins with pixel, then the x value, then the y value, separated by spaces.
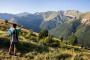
pixel 13 33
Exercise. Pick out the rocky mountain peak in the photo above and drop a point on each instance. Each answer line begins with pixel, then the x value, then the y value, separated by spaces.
pixel 86 19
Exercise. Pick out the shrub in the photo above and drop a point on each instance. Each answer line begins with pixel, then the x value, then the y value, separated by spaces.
pixel 63 56
pixel 61 38
pixel 51 42
pixel 35 39
pixel 73 40
pixel 43 33
pixel 28 36
pixel 6 21
pixel 80 57
pixel 4 42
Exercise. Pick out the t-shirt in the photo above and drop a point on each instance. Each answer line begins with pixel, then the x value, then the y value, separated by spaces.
pixel 14 33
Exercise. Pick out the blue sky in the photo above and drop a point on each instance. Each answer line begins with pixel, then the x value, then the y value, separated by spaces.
pixel 32 6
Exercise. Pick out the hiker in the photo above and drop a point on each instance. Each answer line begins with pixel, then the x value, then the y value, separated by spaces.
pixel 13 33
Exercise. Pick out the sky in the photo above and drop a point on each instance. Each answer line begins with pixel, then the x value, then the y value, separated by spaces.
pixel 32 6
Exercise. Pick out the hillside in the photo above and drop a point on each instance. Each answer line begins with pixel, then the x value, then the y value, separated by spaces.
pixel 58 23
pixel 31 47
pixel 80 28
pixel 86 18
pixel 59 18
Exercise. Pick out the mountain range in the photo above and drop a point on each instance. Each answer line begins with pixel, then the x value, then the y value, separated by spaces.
pixel 58 23
pixel 47 20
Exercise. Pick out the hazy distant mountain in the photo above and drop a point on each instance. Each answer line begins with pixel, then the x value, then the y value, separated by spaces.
pixel 31 21
pixel 6 16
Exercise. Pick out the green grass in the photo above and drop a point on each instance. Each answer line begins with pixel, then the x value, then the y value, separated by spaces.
pixel 36 51
pixel 47 48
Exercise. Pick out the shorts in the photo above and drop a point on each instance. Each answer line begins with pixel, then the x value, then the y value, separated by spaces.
pixel 14 44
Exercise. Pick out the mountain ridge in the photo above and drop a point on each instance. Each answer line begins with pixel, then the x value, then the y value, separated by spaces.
pixel 47 20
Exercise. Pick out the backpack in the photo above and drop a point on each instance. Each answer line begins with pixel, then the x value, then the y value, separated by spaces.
pixel 15 36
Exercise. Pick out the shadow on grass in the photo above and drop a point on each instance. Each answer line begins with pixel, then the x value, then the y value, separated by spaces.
pixel 23 47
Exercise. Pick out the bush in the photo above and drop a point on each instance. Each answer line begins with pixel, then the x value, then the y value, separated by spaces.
pixel 80 57
pixel 43 33
pixel 73 40
pixel 28 36
pixel 4 42
pixel 35 39
pixel 63 56
pixel 61 38
pixel 6 21
pixel 51 42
